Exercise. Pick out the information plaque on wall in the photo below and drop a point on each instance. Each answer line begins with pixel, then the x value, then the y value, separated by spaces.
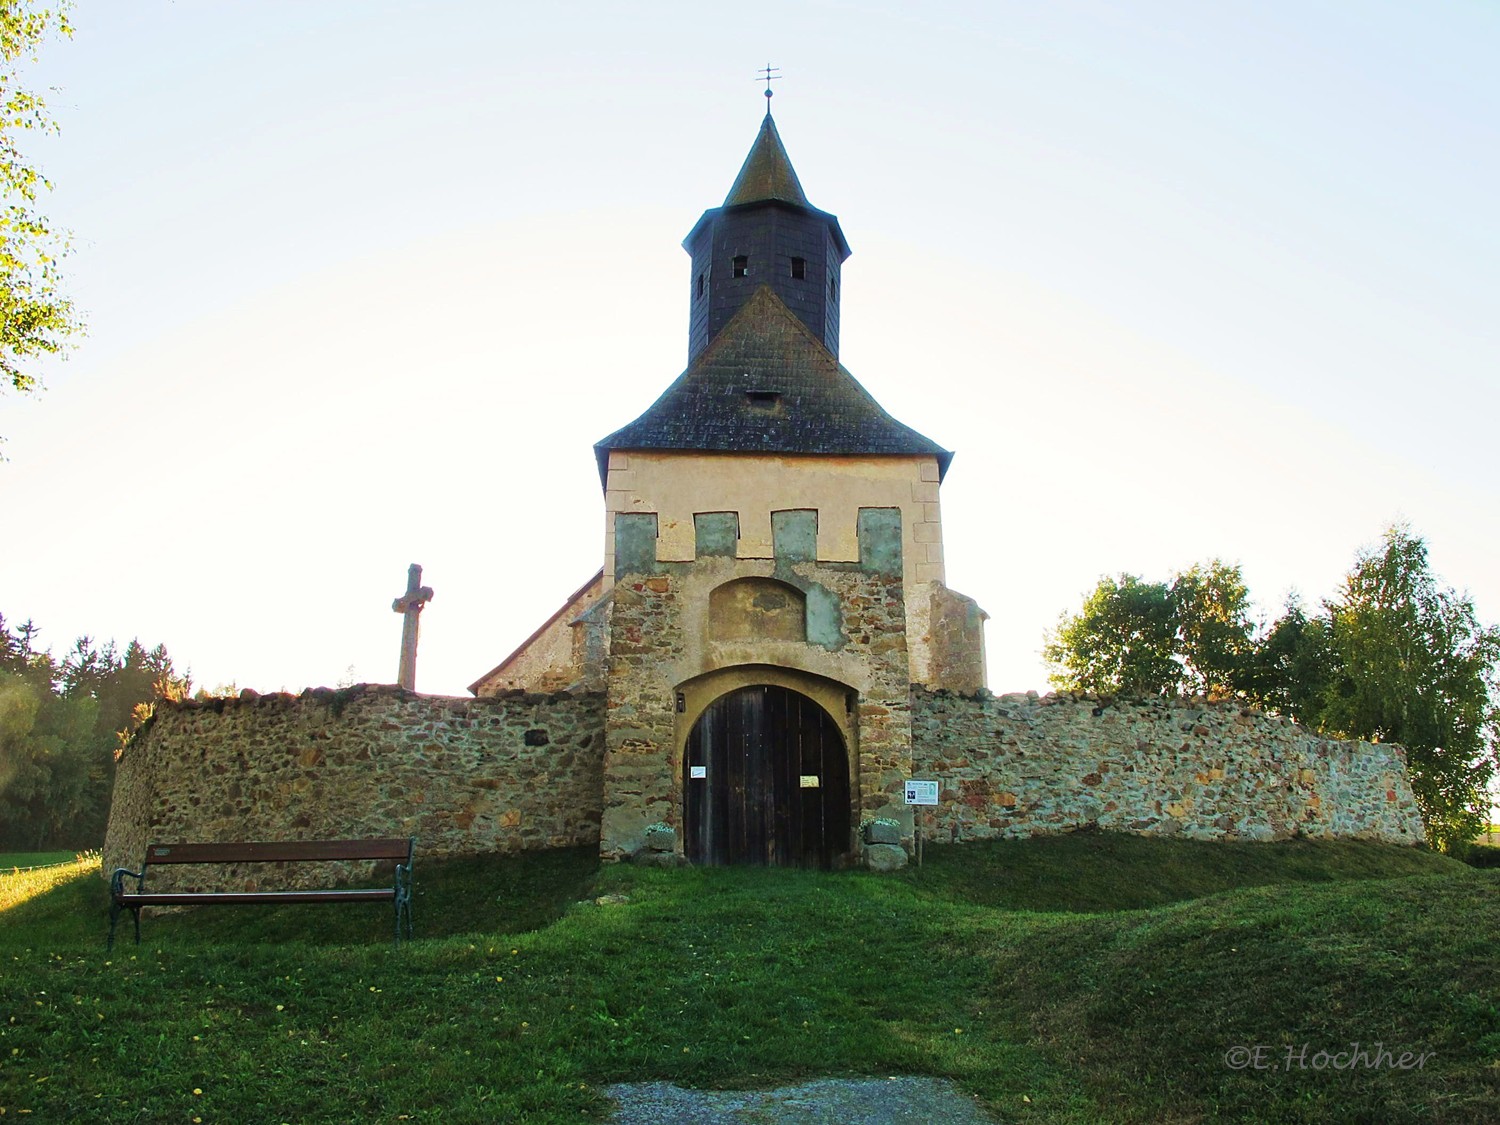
pixel 921 792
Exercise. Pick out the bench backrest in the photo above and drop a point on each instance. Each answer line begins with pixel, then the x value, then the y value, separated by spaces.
pixel 281 851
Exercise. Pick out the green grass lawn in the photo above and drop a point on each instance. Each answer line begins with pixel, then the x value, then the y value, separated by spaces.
pixel 1080 979
pixel 11 860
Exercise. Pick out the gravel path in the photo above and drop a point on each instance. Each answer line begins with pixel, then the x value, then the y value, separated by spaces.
pixel 829 1101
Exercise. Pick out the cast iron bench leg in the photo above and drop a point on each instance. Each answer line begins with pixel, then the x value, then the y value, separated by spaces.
pixel 115 910
pixel 403 902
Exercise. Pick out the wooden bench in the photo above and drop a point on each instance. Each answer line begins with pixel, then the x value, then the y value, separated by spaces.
pixel 290 851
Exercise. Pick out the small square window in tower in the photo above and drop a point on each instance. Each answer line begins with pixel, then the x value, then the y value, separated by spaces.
pixel 799 268
pixel 740 266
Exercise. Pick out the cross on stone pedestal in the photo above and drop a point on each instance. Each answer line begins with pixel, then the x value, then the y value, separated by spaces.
pixel 410 604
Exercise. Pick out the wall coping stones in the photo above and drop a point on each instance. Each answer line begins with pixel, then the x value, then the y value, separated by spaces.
pixel 342 697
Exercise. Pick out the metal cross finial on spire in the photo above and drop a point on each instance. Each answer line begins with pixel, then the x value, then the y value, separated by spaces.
pixel 768 74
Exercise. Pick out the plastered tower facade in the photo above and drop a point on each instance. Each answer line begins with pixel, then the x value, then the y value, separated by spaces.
pixel 773 580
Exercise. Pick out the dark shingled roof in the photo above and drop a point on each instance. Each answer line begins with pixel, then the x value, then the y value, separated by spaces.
pixel 767 385
pixel 767 172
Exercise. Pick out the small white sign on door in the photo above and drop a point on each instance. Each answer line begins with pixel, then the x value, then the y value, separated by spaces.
pixel 921 792
pixel 810 781
pixel 695 772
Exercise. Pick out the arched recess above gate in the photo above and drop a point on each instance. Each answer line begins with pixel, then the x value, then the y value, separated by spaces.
pixel 757 608
pixel 838 699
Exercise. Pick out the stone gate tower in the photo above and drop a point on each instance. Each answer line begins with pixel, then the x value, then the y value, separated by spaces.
pixel 773 578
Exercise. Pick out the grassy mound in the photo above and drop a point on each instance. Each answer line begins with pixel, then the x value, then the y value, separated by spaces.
pixel 1089 871
pixel 1251 1005
pixel 982 966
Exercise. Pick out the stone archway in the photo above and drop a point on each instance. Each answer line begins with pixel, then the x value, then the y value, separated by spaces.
pixel 765 781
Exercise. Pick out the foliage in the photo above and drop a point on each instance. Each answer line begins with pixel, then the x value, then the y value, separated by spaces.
pixel 35 318
pixel 1410 662
pixel 1481 856
pixel 1120 642
pixel 1393 657
pixel 1214 632
pixel 60 724
pixel 1289 670
pixel 755 977
pixel 1154 638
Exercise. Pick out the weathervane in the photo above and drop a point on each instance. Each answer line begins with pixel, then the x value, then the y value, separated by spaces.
pixel 768 74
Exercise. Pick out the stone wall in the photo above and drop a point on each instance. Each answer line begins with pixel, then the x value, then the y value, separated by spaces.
pixel 521 771
pixel 955 626
pixel 465 776
pixel 1022 765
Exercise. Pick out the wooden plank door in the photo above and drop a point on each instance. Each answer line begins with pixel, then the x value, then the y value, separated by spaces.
pixel 766 782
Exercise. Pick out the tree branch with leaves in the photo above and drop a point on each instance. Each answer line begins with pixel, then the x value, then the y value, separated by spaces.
pixel 35 317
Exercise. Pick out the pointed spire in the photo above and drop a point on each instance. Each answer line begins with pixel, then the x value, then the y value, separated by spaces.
pixel 767 173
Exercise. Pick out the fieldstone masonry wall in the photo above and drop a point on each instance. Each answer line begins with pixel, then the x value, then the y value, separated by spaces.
pixel 523 771
pixel 504 773
pixel 1022 765
pixel 956 627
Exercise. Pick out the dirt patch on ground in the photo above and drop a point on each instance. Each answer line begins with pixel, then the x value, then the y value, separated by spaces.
pixel 829 1101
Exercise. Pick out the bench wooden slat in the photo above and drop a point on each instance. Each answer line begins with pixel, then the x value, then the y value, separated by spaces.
pixel 278 851
pixel 233 898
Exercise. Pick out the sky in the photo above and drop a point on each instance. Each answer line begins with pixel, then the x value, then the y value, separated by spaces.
pixel 365 282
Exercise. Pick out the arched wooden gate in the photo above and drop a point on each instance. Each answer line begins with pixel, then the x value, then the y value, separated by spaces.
pixel 766 781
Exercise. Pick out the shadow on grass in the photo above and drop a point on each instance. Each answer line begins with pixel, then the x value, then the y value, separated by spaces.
pixel 478 894
pixel 1090 872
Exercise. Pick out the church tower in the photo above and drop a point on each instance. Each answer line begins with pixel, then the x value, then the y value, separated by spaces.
pixel 773 579
pixel 766 233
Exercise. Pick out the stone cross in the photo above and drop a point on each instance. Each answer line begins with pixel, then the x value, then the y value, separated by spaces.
pixel 410 604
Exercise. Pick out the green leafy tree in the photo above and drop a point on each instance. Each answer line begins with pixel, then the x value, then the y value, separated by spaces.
pixel 41 776
pixel 1410 662
pixel 35 318
pixel 60 725
pixel 43 765
pixel 1215 634
pixel 1121 642
pixel 1133 637
pixel 1291 667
